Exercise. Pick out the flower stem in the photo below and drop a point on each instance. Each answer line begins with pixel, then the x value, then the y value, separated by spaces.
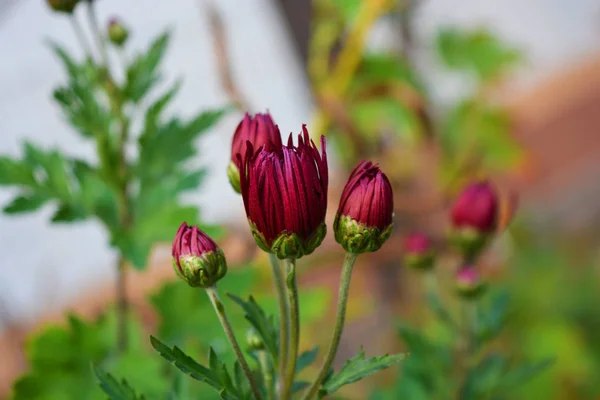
pixel 339 324
pixel 267 371
pixel 284 315
pixel 98 36
pixel 87 49
pixel 122 304
pixel 292 292
pixel 220 310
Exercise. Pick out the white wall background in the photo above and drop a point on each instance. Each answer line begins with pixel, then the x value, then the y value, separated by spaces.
pixel 43 266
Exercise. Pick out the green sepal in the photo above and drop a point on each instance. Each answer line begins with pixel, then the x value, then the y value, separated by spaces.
pixel 201 271
pixel 356 237
pixel 470 291
pixel 470 242
pixel 290 245
pixel 423 261
pixel 233 173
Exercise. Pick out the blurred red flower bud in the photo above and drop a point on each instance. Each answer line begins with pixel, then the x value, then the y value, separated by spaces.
pixel 196 257
pixel 418 250
pixel 284 188
pixel 364 218
pixel 468 282
pixel 476 208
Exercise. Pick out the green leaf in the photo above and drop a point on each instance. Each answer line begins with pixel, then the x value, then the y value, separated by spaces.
pixel 523 373
pixel 306 358
pixel 23 204
pixel 15 172
pixel 215 376
pixel 114 389
pixel 358 368
pixel 142 74
pixel 299 386
pixel 478 51
pixel 265 326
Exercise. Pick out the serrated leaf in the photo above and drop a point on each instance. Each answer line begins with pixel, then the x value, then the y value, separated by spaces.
pixel 358 368
pixel 114 389
pixel 217 377
pixel 142 74
pixel 265 326
pixel 23 204
pixel 67 213
pixel 15 172
pixel 306 358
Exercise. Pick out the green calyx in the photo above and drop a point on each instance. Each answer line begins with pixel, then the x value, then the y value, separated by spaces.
pixel 470 242
pixel 233 173
pixel 356 237
pixel 65 6
pixel 202 271
pixel 254 341
pixel 470 291
pixel 289 245
pixel 422 262
pixel 117 34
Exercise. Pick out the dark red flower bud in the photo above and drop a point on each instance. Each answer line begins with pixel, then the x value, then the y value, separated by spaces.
pixel 285 195
pixel 476 208
pixel 474 218
pixel 468 282
pixel 66 6
pixel 418 251
pixel 196 257
pixel 365 215
pixel 258 130
pixel 117 32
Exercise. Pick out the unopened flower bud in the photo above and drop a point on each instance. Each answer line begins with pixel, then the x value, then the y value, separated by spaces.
pixel 117 32
pixel 196 257
pixel 258 131
pixel 418 251
pixel 285 195
pixel 468 283
pixel 65 6
pixel 254 341
pixel 474 217
pixel 364 218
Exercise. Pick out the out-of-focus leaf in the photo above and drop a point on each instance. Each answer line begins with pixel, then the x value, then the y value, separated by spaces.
pixel 114 389
pixel 306 358
pixel 523 373
pixel 142 75
pixel 478 51
pixel 348 9
pixel 23 204
pixel 372 117
pixel 358 368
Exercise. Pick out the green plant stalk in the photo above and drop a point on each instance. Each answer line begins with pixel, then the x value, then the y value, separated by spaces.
pixel 265 366
pixel 284 316
pixel 93 20
pixel 292 293
pixel 220 310
pixel 340 319
pixel 85 46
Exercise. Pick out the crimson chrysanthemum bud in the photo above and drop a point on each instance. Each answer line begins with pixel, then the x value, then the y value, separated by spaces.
pixel 117 32
pixel 258 130
pixel 285 195
pixel 418 251
pixel 66 6
pixel 468 283
pixel 196 257
pixel 474 217
pixel 364 218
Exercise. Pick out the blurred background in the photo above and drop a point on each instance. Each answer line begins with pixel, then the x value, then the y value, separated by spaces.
pixel 437 92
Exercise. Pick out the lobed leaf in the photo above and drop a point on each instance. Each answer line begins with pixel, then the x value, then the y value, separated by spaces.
pixel 114 389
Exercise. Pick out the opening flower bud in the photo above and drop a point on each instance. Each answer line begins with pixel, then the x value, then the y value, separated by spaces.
pixel 285 195
pixel 254 341
pixel 364 219
pixel 468 283
pixel 418 251
pixel 65 6
pixel 196 257
pixel 474 217
pixel 258 130
pixel 117 33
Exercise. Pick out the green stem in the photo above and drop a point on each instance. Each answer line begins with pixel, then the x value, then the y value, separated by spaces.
pixel 220 310
pixel 265 366
pixel 87 49
pixel 339 324
pixel 292 292
pixel 284 316
pixel 100 42
pixel 122 305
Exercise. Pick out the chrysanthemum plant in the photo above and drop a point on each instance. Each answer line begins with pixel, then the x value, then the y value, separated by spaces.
pixel 141 155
